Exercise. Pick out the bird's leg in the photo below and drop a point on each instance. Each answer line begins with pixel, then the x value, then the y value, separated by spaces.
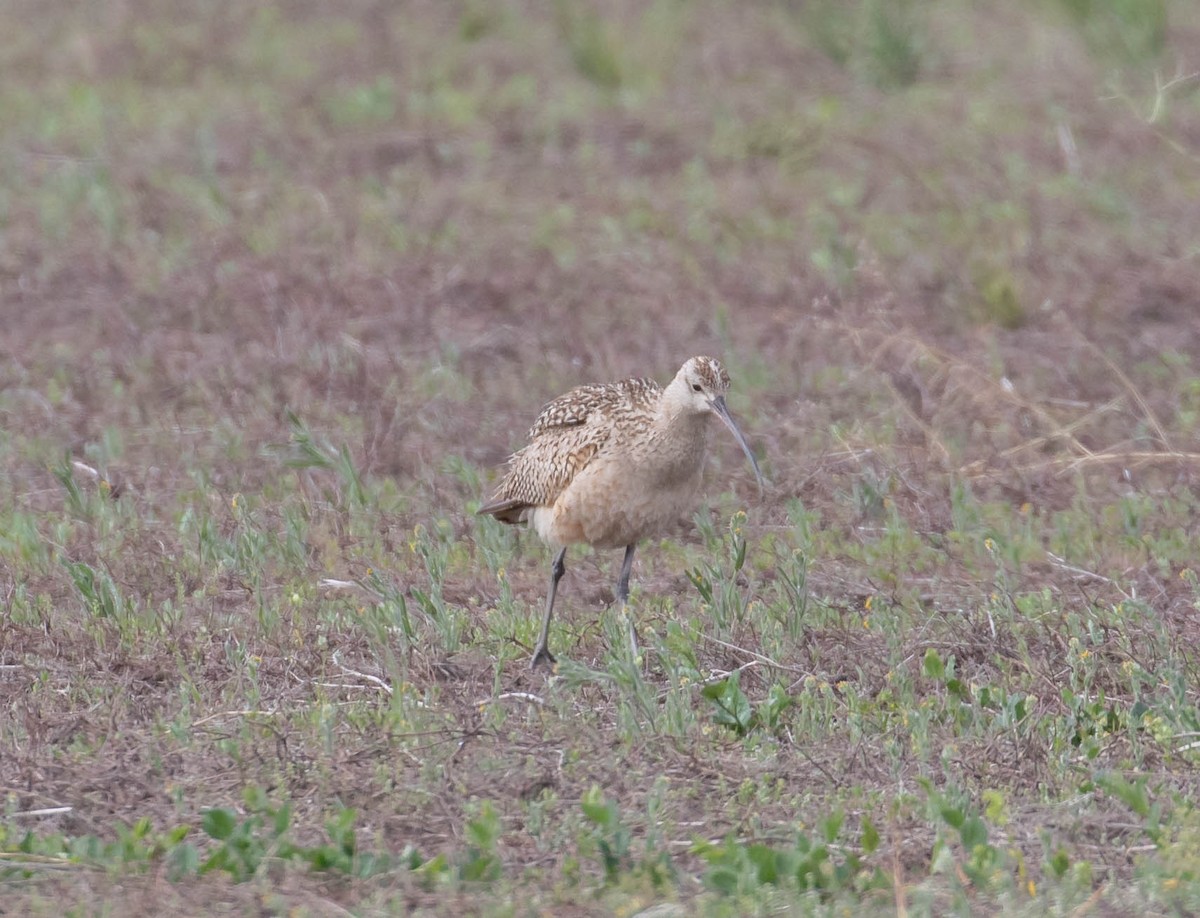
pixel 623 597
pixel 541 653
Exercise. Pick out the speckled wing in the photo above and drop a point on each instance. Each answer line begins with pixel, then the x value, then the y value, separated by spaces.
pixel 566 436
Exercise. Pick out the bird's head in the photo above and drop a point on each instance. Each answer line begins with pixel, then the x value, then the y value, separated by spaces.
pixel 700 385
pixel 702 380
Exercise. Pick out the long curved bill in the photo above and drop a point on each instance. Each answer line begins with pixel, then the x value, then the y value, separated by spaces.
pixel 722 411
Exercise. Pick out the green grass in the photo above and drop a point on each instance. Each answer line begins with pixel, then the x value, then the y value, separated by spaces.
pixel 284 289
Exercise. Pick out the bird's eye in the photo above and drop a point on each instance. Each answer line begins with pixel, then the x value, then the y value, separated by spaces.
pixel 696 387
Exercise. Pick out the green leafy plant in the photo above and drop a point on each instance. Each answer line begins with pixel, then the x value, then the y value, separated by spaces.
pixel 718 588
pixel 732 709
pixel 1135 795
pixel 613 837
pixel 97 589
pixel 245 844
pixel 481 862
pixel 811 863
pixel 309 452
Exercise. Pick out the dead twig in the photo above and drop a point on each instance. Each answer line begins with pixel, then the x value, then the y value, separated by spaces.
pixel 515 696
pixel 360 675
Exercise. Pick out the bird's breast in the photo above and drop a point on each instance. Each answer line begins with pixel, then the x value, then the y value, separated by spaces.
pixel 672 458
pixel 626 493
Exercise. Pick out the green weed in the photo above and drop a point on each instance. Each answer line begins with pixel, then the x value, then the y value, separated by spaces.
pixel 591 43
pixel 884 42
pixel 1130 30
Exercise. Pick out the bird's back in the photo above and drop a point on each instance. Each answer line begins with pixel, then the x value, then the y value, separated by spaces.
pixel 567 435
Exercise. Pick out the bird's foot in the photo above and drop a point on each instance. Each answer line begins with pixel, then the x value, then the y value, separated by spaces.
pixel 541 657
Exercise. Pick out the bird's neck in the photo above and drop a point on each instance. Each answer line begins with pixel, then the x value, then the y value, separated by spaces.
pixel 681 435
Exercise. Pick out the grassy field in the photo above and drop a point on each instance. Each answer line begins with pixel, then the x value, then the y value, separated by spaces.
pixel 281 286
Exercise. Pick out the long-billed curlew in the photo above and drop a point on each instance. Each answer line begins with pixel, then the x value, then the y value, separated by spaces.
pixel 612 464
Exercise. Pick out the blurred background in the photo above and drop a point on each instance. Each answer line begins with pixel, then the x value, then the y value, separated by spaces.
pixel 383 211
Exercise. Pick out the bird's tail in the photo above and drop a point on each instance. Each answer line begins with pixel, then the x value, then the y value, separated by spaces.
pixel 510 510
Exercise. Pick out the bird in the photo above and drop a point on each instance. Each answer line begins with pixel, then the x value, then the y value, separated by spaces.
pixel 612 464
